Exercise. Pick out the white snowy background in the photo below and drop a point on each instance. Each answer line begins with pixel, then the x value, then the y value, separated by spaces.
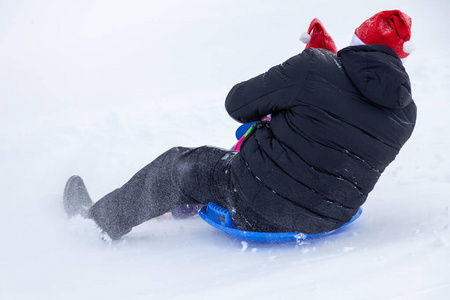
pixel 99 88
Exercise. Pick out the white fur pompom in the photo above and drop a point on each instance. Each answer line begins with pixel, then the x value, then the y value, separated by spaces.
pixel 305 37
pixel 408 47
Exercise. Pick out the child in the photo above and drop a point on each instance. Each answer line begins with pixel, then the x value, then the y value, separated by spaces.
pixel 337 121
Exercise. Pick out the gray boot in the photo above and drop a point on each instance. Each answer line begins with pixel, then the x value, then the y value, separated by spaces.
pixel 76 198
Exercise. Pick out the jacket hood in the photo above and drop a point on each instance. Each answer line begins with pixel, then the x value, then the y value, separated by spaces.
pixel 378 73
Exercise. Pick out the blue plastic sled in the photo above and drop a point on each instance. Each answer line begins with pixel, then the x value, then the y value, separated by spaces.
pixel 220 218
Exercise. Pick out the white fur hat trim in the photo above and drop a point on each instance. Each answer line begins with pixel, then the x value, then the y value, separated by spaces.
pixel 305 37
pixel 408 47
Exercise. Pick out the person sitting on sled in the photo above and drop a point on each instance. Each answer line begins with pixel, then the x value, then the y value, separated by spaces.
pixel 338 119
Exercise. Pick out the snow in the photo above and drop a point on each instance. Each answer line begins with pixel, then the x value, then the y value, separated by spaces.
pixel 100 88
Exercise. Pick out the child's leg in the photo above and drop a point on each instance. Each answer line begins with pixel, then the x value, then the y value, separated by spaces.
pixel 178 176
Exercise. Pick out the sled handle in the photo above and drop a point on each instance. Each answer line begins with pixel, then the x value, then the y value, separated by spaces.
pixel 220 215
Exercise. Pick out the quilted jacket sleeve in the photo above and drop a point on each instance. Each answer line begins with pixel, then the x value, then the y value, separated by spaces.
pixel 270 92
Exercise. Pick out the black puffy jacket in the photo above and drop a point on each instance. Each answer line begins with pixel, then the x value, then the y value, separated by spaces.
pixel 337 123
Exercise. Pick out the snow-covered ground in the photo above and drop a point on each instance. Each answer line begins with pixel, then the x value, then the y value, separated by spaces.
pixel 100 88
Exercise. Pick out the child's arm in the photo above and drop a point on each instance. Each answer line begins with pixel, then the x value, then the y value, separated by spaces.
pixel 273 91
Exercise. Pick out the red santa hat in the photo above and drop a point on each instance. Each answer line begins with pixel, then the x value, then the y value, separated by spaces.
pixel 391 28
pixel 318 37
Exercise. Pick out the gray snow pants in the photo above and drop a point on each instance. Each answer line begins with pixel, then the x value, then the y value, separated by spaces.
pixel 178 176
